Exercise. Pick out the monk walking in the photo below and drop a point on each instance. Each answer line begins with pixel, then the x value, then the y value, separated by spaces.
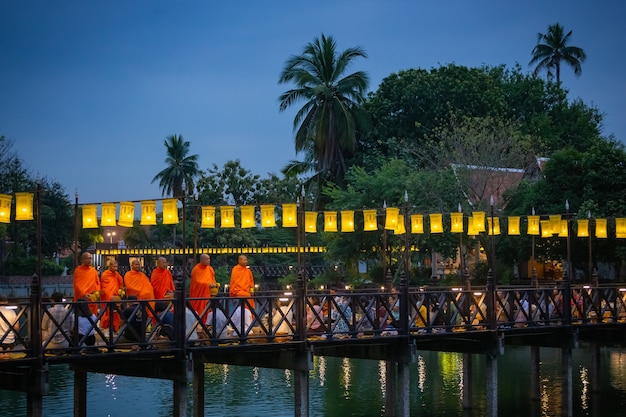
pixel 161 280
pixel 111 283
pixel 202 280
pixel 241 280
pixel 86 281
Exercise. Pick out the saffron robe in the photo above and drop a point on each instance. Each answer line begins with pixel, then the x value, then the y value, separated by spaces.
pixel 241 281
pixel 202 276
pixel 138 284
pixel 162 282
pixel 86 281
pixel 110 283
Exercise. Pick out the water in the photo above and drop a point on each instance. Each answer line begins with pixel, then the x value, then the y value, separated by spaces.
pixel 349 387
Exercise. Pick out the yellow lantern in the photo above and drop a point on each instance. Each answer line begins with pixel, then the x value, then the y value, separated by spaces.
pixel 330 221
pixel 546 228
pixel 24 206
pixel 148 213
pixel 347 220
pixel 417 223
pixel 456 222
pixel 391 218
pixel 564 229
pixel 601 228
pixel 208 217
pixel 268 216
pixel 555 223
pixel 495 230
pixel 290 215
pixel 127 214
pixel 514 222
pixel 583 228
pixel 310 221
pixel 107 218
pixel 369 220
pixel 471 230
pixel 247 217
pixel 620 227
pixel 227 214
pixel 533 225
pixel 436 223
pixel 400 228
pixel 170 211
pixel 479 221
pixel 5 208
pixel 89 216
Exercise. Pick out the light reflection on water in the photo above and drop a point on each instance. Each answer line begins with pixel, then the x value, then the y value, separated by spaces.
pixel 349 387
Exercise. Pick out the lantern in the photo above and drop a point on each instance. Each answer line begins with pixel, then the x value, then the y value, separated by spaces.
pixel 417 223
pixel 290 215
pixel 391 218
pixel 107 218
pixel 5 208
pixel 148 213
pixel 330 221
pixel 620 227
pixel 208 217
pixel 564 229
pixel 400 228
pixel 456 222
pixel 555 223
pixel 471 230
pixel 310 221
pixel 170 211
pixel 601 228
pixel 227 214
pixel 513 229
pixel 479 221
pixel 546 228
pixel 369 220
pixel 583 228
pixel 347 220
pixel 268 217
pixel 24 206
pixel 247 217
pixel 436 223
pixel 89 216
pixel 127 214
pixel 495 230
pixel 533 225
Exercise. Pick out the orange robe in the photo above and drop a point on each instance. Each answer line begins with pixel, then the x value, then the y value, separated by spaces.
pixel 110 282
pixel 162 282
pixel 202 276
pixel 86 281
pixel 241 281
pixel 138 284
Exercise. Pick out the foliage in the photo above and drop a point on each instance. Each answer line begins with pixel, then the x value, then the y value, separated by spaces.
pixel 553 48
pixel 178 178
pixel 20 266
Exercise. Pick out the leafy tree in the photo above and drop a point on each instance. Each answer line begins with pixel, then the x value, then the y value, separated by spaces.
pixel 553 48
pixel 181 169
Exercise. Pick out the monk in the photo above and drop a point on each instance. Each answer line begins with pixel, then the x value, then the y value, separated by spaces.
pixel 111 282
pixel 161 280
pixel 202 280
pixel 241 280
pixel 86 281
pixel 137 284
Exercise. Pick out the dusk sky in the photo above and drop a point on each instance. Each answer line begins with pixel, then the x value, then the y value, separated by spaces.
pixel 89 90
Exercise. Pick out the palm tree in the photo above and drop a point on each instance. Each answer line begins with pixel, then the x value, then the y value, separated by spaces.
pixel 552 48
pixel 182 168
pixel 327 125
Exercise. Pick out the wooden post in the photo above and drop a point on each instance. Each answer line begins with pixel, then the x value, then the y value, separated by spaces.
pixel 198 388
pixel 391 388
pixel 596 372
pixel 180 398
pixel 301 393
pixel 80 394
pixel 404 392
pixel 491 375
pixel 535 372
pixel 467 381
pixel 567 399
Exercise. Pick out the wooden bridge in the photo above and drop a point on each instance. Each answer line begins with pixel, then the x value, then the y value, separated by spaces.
pixel 167 339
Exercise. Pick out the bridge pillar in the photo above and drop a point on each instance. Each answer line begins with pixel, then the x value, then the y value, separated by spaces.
pixel 198 388
pixel 80 393
pixel 391 388
pixel 301 393
pixel 180 398
pixel 491 375
pixel 535 371
pixel 467 381
pixel 404 391
pixel 567 399
pixel 596 373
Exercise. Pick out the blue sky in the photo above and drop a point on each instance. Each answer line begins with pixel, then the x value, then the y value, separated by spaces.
pixel 89 90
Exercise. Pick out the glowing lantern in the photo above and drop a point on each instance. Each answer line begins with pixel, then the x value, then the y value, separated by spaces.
pixel 227 214
pixel 417 223
pixel 247 217
pixel 620 227
pixel 436 223
pixel 471 230
pixel 601 228
pixel 391 218
pixel 369 220
pixel 347 220
pixel 533 225
pixel 495 230
pixel 564 229
pixel 290 215
pixel 583 228
pixel 514 228
pixel 24 206
pixel 268 217
pixel 5 208
pixel 310 221
pixel 546 228
pixel 148 213
pixel 127 214
pixel 89 216
pixel 208 217
pixel 107 217
pixel 170 211
pixel 456 222
pixel 330 221
pixel 479 221
pixel 400 228
pixel 555 223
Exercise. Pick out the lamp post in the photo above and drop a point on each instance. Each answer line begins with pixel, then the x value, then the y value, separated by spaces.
pixel 404 278
pixel 301 274
pixel 387 273
pixel 533 280
pixel 491 278
pixel 110 235
pixel 567 273
pixel 195 228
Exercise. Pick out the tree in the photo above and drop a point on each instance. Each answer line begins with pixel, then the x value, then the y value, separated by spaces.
pixel 181 169
pixel 552 48
pixel 327 125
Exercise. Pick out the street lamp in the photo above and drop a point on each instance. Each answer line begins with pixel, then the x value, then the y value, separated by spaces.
pixel 110 235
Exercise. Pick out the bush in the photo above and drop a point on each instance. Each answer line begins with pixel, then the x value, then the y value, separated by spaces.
pixel 28 266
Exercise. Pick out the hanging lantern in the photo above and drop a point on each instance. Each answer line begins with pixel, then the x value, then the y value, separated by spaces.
pixel 227 214
pixel 495 230
pixel 546 228
pixel 247 217
pixel 456 222
pixel 5 208
pixel 290 215
pixel 208 217
pixel 417 223
pixel 330 221
pixel 310 221
pixel 89 216
pixel 369 220
pixel 268 216
pixel 127 214
pixel 170 211
pixel 564 229
pixel 107 218
pixel 583 228
pixel 479 221
pixel 555 223
pixel 400 228
pixel 347 220
pixel 148 213
pixel 391 218
pixel 24 206
pixel 601 228
pixel 533 225
pixel 471 230
pixel 514 228
pixel 436 223
pixel 620 227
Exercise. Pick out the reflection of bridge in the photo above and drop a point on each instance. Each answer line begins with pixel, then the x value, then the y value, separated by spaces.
pixel 278 332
